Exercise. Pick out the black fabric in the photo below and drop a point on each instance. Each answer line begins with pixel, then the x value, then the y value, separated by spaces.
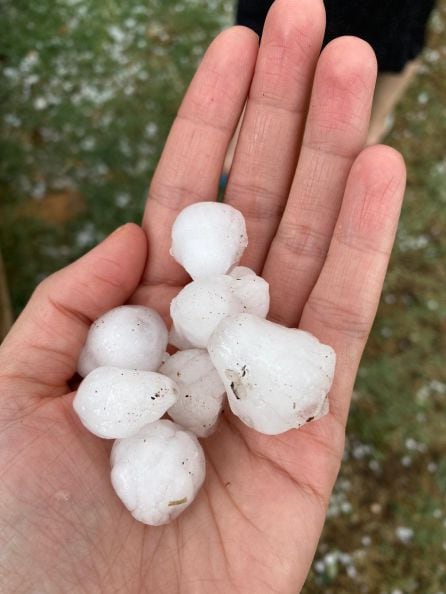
pixel 394 28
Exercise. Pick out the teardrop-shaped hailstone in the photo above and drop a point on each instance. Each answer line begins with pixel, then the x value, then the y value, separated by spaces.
pixel 276 378
pixel 113 402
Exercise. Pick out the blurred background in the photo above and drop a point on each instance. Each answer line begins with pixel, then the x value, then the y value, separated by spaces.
pixel 89 89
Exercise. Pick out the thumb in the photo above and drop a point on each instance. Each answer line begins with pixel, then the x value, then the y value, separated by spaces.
pixel 43 346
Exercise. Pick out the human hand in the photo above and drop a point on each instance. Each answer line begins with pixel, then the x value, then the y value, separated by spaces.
pixel 321 234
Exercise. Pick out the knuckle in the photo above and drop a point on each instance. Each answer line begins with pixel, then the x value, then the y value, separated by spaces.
pixel 173 197
pixel 45 286
pixel 258 202
pixel 300 239
pixel 359 241
pixel 351 321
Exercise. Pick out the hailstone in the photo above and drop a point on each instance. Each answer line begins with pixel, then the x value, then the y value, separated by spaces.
pixel 177 340
pixel 276 378
pixel 208 238
pixel 165 357
pixel 241 272
pixel 200 306
pixel 158 472
pixel 201 391
pixel 252 290
pixel 113 402
pixel 129 336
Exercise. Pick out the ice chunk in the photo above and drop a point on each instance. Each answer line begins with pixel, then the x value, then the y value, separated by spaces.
pixel 177 340
pixel 200 306
pixel 241 272
pixel 252 290
pixel 201 391
pixel 129 336
pixel 208 238
pixel 113 402
pixel 276 378
pixel 165 357
pixel 158 472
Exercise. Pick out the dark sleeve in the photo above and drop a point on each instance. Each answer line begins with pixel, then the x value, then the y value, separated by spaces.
pixel 396 29
pixel 252 14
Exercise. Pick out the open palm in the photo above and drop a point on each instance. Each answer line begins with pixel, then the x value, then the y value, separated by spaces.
pixel 321 215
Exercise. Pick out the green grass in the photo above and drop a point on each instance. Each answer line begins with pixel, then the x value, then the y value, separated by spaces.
pixel 394 475
pixel 90 89
pixel 89 92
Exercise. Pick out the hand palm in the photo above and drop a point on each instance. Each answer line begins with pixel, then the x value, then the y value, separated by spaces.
pixel 322 241
pixel 262 504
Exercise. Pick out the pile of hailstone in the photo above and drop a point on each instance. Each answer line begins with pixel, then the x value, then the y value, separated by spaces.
pixel 274 378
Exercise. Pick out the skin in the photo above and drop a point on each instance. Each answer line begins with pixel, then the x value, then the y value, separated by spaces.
pixel 321 213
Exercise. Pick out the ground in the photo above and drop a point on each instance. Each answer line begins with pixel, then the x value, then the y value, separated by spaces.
pixel 89 92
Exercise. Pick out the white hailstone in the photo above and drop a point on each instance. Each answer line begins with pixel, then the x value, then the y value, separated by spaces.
pixel 241 272
pixel 252 290
pixel 113 402
pixel 165 357
pixel 129 336
pixel 177 340
pixel 201 391
pixel 200 306
pixel 158 472
pixel 208 238
pixel 276 378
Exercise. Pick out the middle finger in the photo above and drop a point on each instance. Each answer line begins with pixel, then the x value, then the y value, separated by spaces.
pixel 267 150
pixel 335 133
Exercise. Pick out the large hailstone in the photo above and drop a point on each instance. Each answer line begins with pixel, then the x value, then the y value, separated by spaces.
pixel 201 305
pixel 158 472
pixel 201 391
pixel 208 238
pixel 252 290
pixel 113 402
pixel 177 340
pixel 129 336
pixel 276 378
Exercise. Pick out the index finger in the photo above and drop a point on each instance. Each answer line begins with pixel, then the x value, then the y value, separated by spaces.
pixel 192 159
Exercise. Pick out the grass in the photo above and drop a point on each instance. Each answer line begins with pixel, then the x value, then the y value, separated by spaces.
pixel 387 528
pixel 90 89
